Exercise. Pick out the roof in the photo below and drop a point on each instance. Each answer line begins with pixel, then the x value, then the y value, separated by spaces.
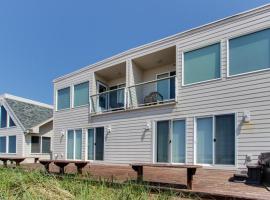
pixel 28 112
pixel 165 40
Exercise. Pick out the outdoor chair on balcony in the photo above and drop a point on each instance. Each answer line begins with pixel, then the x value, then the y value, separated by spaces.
pixel 153 98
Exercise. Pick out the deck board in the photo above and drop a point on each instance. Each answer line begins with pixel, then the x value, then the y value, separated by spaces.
pixel 214 181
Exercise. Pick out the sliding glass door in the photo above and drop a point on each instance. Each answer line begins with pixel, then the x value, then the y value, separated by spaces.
pixel 163 141
pixel 74 144
pixel 95 143
pixel 170 141
pixel 215 140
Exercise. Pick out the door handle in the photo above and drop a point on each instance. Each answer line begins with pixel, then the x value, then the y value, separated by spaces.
pixel 215 139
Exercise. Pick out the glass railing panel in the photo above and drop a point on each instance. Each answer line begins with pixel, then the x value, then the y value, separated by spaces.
pixel 108 101
pixel 152 92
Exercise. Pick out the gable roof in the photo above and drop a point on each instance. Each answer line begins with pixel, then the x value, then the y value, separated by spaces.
pixel 28 112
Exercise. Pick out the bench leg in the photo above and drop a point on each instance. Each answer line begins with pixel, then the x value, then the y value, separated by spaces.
pixel 47 167
pixel 17 163
pixel 139 170
pixel 190 173
pixel 5 163
pixel 62 170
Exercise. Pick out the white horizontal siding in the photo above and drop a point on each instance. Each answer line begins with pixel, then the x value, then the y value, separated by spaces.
pixel 127 141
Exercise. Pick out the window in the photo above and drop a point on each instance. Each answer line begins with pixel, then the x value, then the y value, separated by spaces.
pixel 35 144
pixel 46 145
pixel 215 140
pixel 11 144
pixel 202 64
pixel 11 122
pixel 3 144
pixel 81 94
pixel 249 52
pixel 171 141
pixel 63 98
pixel 74 144
pixel 40 144
pixel 3 117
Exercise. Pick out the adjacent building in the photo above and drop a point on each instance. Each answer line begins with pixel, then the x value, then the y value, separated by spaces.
pixel 26 128
pixel 198 97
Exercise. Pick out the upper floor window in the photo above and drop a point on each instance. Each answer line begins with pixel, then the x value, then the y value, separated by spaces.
pixel 249 52
pixel 202 64
pixel 63 98
pixel 81 94
pixel 5 119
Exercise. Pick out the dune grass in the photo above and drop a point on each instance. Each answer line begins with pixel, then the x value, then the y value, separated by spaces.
pixel 19 184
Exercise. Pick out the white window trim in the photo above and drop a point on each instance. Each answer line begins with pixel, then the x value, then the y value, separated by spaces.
pixel 199 47
pixel 213 134
pixel 8 120
pixel 7 145
pixel 40 148
pixel 86 144
pixel 228 54
pixel 154 140
pixel 74 145
pixel 73 95
pixel 70 100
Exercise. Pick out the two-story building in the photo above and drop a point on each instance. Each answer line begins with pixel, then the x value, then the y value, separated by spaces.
pixel 201 96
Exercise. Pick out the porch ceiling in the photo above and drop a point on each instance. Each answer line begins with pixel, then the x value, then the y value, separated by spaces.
pixel 113 72
pixel 157 59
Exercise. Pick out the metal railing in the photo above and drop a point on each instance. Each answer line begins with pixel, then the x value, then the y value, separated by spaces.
pixel 152 92
pixel 111 100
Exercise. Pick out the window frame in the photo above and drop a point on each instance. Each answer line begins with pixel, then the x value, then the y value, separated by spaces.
pixel 40 145
pixel 154 136
pixel 86 143
pixel 74 144
pixel 7 145
pixel 197 48
pixel 213 150
pixel 8 119
pixel 72 94
pixel 70 98
pixel 228 53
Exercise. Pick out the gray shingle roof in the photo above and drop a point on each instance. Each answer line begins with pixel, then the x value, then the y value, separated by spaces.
pixel 29 115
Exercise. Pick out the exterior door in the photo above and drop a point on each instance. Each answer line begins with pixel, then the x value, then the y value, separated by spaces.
pixel 215 140
pixel 95 143
pixel 74 144
pixel 102 99
pixel 171 141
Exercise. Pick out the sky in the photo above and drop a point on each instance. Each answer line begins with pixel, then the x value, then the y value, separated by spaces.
pixel 43 40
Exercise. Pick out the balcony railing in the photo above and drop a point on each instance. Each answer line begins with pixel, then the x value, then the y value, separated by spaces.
pixel 152 92
pixel 149 93
pixel 111 100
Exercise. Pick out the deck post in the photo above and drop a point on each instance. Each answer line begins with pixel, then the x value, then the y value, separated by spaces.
pixel 190 173
pixel 139 170
pixel 5 163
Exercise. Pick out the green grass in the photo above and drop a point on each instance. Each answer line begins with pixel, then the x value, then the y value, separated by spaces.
pixel 19 184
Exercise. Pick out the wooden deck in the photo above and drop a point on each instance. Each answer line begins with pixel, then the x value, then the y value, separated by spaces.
pixel 205 181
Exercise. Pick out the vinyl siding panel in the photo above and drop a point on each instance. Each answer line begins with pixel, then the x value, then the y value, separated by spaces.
pixel 128 142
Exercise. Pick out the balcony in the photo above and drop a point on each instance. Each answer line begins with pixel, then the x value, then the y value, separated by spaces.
pixel 153 92
pixel 149 80
pixel 108 101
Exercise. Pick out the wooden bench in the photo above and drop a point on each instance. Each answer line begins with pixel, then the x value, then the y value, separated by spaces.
pixel 191 170
pixel 63 163
pixel 17 160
